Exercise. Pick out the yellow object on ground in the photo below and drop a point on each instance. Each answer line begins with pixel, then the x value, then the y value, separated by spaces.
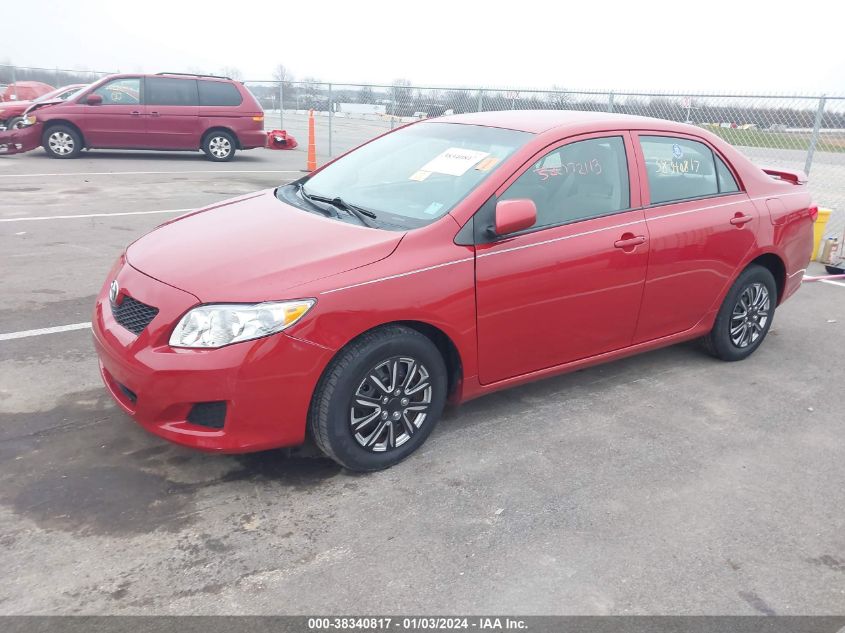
pixel 818 229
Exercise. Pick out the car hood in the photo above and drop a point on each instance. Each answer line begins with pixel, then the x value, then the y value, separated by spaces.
pixel 255 248
pixel 9 108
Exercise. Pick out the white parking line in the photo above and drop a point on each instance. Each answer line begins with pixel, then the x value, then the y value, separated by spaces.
pixel 46 330
pixel 92 215
pixel 830 281
pixel 145 173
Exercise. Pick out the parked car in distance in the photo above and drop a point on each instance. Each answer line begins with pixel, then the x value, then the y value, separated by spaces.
pixel 443 261
pixel 24 91
pixel 11 112
pixel 167 111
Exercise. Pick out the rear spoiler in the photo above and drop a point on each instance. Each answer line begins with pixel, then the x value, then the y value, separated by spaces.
pixel 796 177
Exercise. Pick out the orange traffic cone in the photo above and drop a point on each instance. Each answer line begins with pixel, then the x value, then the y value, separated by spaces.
pixel 312 143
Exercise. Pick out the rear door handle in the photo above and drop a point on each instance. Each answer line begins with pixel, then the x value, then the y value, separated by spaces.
pixel 740 219
pixel 629 241
pixel 135 113
pixel 153 113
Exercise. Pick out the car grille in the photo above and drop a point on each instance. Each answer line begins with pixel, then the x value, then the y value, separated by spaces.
pixel 133 315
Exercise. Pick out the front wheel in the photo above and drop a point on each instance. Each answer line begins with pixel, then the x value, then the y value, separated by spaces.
pixel 15 123
pixel 745 316
pixel 61 141
pixel 379 399
pixel 219 146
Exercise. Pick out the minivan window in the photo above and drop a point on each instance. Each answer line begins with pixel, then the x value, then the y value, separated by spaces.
pixel 126 91
pixel 414 175
pixel 678 169
pixel 218 93
pixel 581 180
pixel 172 92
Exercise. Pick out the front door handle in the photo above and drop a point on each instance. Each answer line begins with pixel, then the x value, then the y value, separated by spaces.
pixel 135 113
pixel 153 113
pixel 629 241
pixel 740 220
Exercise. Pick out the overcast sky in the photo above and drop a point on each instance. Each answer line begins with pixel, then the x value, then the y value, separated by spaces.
pixel 683 45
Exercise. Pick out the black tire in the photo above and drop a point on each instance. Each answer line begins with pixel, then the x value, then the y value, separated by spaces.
pixel 835 270
pixel 721 342
pixel 219 146
pixel 14 122
pixel 61 141
pixel 346 381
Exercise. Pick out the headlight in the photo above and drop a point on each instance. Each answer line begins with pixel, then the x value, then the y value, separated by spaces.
pixel 222 324
pixel 29 119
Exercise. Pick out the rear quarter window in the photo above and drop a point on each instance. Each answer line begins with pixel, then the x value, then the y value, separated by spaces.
pixel 219 93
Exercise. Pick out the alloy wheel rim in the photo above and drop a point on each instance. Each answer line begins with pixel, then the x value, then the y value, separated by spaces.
pixel 220 146
pixel 61 143
pixel 750 315
pixel 390 404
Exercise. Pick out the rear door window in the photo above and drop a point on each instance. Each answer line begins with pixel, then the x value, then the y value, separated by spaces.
pixel 218 93
pixel 678 169
pixel 171 92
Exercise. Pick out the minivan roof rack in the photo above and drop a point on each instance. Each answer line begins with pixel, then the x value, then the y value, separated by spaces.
pixel 195 75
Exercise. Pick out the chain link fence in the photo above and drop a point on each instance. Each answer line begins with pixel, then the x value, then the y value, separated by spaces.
pixel 791 131
pixel 55 77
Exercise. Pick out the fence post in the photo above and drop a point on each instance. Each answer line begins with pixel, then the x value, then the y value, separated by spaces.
pixel 610 102
pixel 392 106
pixel 281 105
pixel 814 139
pixel 331 118
pixel 14 84
pixel 480 107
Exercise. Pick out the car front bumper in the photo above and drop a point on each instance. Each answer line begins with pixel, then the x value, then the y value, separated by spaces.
pixel 20 140
pixel 266 384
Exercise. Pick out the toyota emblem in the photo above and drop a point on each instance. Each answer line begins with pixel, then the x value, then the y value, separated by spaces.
pixel 114 291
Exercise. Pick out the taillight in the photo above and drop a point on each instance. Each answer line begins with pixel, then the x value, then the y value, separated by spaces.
pixel 258 118
pixel 813 212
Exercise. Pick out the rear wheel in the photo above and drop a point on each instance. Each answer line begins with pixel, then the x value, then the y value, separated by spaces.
pixel 379 399
pixel 219 146
pixel 745 316
pixel 61 141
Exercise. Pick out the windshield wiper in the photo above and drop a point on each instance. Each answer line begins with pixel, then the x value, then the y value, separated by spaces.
pixel 359 212
pixel 311 199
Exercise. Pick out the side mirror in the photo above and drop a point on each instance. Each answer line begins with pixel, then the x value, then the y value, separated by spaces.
pixel 94 99
pixel 515 215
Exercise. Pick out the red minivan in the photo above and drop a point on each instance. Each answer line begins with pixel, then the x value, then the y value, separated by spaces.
pixel 167 111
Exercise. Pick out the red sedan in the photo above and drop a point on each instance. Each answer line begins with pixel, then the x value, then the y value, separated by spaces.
pixel 443 261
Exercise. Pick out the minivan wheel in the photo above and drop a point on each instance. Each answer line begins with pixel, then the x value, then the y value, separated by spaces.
pixel 61 141
pixel 219 146
pixel 745 316
pixel 379 399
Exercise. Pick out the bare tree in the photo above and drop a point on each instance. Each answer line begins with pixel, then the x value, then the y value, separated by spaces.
pixel 234 73
pixel 281 73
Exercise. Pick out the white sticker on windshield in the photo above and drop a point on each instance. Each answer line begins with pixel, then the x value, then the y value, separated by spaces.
pixel 433 208
pixel 454 161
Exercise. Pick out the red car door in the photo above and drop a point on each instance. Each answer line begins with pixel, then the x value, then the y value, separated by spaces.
pixel 701 225
pixel 570 287
pixel 119 121
pixel 172 112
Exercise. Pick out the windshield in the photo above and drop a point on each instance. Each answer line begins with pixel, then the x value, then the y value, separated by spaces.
pixel 62 93
pixel 417 174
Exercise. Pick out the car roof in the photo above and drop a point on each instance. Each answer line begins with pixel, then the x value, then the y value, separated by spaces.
pixel 538 121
